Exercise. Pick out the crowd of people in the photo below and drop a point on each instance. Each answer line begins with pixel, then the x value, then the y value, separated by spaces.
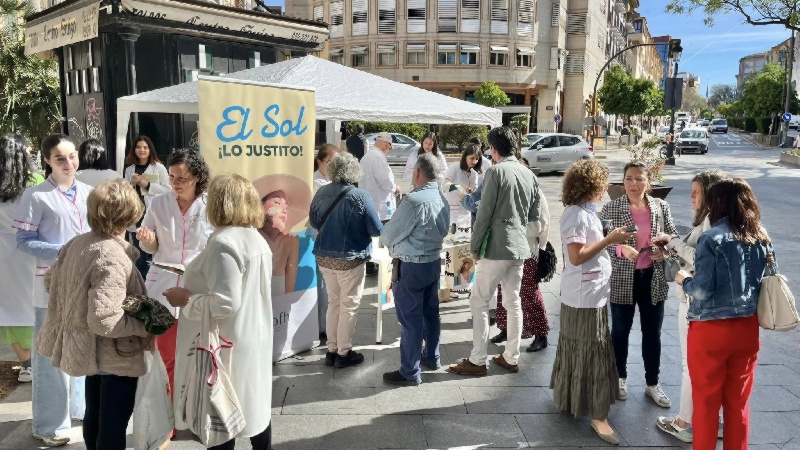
pixel 207 247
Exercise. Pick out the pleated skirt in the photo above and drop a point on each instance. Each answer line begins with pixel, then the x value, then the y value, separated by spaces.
pixel 584 379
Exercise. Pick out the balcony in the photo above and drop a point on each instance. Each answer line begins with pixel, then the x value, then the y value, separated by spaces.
pixel 620 7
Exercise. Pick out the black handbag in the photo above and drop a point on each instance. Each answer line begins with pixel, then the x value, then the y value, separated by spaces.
pixel 546 264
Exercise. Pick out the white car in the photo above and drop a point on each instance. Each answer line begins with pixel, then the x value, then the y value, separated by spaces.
pixel 693 140
pixel 402 147
pixel 662 133
pixel 554 152
pixel 794 122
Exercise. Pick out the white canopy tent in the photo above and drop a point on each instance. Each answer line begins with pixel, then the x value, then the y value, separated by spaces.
pixel 342 93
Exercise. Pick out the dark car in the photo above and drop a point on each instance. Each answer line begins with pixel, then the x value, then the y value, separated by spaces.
pixel 720 125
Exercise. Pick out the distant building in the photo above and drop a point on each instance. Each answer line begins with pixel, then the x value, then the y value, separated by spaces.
pixel 748 66
pixel 690 80
pixel 643 62
pixel 662 47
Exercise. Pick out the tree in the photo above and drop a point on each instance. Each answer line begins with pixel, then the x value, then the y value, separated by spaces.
pixel 721 94
pixel 622 94
pixel 490 94
pixel 755 12
pixel 655 103
pixel 763 93
pixel 692 101
pixel 459 135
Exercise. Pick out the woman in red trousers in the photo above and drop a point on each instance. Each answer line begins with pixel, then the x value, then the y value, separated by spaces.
pixel 723 327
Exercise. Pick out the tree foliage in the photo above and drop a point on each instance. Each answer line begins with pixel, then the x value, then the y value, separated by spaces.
pixel 622 94
pixel 763 93
pixel 755 12
pixel 490 94
pixel 721 94
pixel 412 130
pixel 459 135
pixel 655 102
pixel 692 101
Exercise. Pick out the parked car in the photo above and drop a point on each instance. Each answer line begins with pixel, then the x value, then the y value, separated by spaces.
pixel 704 123
pixel 662 133
pixel 794 122
pixel 693 140
pixel 720 125
pixel 402 147
pixel 554 152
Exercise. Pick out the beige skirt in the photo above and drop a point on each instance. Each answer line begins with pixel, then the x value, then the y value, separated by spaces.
pixel 585 380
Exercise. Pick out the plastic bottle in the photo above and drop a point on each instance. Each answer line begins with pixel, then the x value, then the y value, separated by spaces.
pixel 389 210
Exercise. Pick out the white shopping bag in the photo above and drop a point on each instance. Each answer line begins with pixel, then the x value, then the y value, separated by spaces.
pixel 153 419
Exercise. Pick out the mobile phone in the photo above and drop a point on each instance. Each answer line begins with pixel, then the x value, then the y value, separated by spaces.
pixel 632 229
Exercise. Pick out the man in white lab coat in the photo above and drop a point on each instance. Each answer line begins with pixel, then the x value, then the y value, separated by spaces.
pixel 378 178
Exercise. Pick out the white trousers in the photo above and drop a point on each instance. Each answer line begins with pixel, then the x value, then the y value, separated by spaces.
pixel 345 288
pixel 687 407
pixel 488 274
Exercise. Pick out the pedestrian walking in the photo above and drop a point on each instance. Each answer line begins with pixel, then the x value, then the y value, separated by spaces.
pixel 584 379
pixel 723 340
pixel 637 278
pixel 93 163
pixel 500 245
pixel 357 144
pixel 460 179
pixel 346 221
pixel 414 238
pixel 430 144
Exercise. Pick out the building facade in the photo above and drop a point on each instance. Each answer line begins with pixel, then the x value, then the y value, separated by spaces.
pixel 662 47
pixel 748 66
pixel 644 62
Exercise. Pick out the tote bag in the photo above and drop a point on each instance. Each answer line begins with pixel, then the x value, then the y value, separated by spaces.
pixel 776 306
pixel 152 411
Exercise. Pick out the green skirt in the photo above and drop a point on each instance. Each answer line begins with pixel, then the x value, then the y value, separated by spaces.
pixel 17 335
pixel 585 380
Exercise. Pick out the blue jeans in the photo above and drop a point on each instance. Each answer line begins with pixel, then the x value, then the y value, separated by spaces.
pixel 56 395
pixel 416 299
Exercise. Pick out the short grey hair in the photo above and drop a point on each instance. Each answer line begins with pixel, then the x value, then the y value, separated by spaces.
pixel 345 168
pixel 428 164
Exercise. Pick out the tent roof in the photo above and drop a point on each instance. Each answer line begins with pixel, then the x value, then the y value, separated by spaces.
pixel 342 93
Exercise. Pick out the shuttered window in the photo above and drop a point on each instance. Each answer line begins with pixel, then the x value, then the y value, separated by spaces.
pixel 558 15
pixel 387 55
pixel 415 55
pixel 336 55
pixel 525 17
pixel 447 16
pixel 360 56
pixel 603 6
pixel 578 24
pixel 499 16
pixel 417 16
pixel 470 16
pixel 575 64
pixel 319 14
pixel 446 54
pixel 387 16
pixel 554 54
pixel 360 23
pixel 470 54
pixel 337 19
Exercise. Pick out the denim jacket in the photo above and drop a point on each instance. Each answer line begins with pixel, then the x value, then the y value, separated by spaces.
pixel 728 275
pixel 348 230
pixel 419 225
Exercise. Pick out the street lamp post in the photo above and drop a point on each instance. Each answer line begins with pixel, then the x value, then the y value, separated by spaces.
pixel 675 52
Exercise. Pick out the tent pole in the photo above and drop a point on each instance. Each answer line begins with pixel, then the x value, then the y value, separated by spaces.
pixel 129 35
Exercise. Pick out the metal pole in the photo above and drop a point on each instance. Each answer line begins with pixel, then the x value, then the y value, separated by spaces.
pixel 671 145
pixel 786 101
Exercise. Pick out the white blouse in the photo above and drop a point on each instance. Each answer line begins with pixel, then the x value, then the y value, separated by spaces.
pixel 587 285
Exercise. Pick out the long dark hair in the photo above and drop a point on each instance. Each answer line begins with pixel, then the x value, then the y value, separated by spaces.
pixel 93 155
pixel 132 159
pixel 705 179
pixel 324 153
pixel 471 149
pixel 48 144
pixel 432 136
pixel 16 168
pixel 733 198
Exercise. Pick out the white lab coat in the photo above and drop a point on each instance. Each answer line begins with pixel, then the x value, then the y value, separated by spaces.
pixel 93 177
pixel 319 180
pixel 16 273
pixel 378 181
pixel 486 163
pixel 156 187
pixel 57 219
pixel 469 182
pixel 232 277
pixel 412 162
pixel 180 238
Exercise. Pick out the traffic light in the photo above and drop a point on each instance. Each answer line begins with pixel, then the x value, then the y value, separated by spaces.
pixel 591 105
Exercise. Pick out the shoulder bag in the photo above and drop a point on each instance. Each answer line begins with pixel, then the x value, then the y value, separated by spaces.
pixel 776 306
pixel 333 205
pixel 672 262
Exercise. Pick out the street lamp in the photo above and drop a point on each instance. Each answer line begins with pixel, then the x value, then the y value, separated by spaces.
pixel 675 51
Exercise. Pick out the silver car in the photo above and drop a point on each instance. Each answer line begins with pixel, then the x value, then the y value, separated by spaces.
pixel 402 147
pixel 554 152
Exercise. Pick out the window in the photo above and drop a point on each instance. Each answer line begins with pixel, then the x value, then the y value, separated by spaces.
pixel 575 63
pixel 499 17
pixel 417 16
pixel 525 17
pixel 319 13
pixel 446 54
pixel 568 141
pixel 337 19
pixel 498 55
pixel 470 16
pixel 387 16
pixel 360 56
pixel 403 140
pixel 387 55
pixel 578 24
pixel 469 54
pixel 448 16
pixel 336 55
pixel 555 56
pixel 525 57
pixel 415 55
pixel 557 15
pixel 360 23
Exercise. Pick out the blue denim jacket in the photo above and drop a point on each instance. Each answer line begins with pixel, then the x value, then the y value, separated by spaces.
pixel 419 225
pixel 470 201
pixel 347 232
pixel 727 275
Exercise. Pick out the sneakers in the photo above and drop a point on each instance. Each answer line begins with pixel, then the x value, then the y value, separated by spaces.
pixel 330 358
pixel 399 380
pixel 623 389
pixel 465 367
pixel 501 337
pixel 658 395
pixel 55 441
pixel 25 375
pixel 351 359
pixel 500 361
pixel 670 426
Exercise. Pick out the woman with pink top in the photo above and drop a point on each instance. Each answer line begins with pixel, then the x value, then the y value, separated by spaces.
pixel 637 276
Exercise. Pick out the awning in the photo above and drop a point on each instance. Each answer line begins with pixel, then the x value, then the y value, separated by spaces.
pixel 415 47
pixel 445 47
pixel 525 51
pixel 499 49
pixel 76 23
pixel 359 50
pixel 470 48
pixel 336 51
pixel 387 48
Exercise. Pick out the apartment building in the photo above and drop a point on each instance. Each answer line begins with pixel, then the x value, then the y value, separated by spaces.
pixel 545 55
pixel 748 66
pixel 662 47
pixel 644 62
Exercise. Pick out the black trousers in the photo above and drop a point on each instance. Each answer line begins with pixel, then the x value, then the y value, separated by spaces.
pixel 261 441
pixel 109 407
pixel 651 318
pixel 141 263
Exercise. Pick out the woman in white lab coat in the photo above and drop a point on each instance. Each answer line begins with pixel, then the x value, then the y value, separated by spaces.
pixel 49 215
pixel 150 178
pixel 16 268
pixel 460 179
pixel 230 280
pixel 321 161
pixel 175 230
pixel 430 144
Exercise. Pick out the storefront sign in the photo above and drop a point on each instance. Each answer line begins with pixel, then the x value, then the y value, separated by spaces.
pixel 71 27
pixel 208 17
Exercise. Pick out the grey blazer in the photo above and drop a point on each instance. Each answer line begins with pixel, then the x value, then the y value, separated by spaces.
pixel 507 205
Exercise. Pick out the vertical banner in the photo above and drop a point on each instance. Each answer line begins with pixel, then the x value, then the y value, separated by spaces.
pixel 266 133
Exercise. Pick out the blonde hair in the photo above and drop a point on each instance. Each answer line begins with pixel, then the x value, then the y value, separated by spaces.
pixel 233 202
pixel 113 206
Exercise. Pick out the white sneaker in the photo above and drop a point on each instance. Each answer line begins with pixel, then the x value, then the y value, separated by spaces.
pixel 658 396
pixel 623 388
pixel 25 375
pixel 55 441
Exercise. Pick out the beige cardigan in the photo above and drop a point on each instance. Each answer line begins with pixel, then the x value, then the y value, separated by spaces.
pixel 87 285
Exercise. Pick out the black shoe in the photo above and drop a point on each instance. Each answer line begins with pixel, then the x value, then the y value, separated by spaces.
pixel 323 336
pixel 330 358
pixel 396 378
pixel 352 359
pixel 539 343
pixel 501 337
pixel 429 366
pixel 372 269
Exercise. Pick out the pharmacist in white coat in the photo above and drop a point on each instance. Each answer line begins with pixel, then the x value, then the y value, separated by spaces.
pixel 429 145
pixel 461 179
pixel 378 179
pixel 230 280
pixel 49 215
pixel 175 230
